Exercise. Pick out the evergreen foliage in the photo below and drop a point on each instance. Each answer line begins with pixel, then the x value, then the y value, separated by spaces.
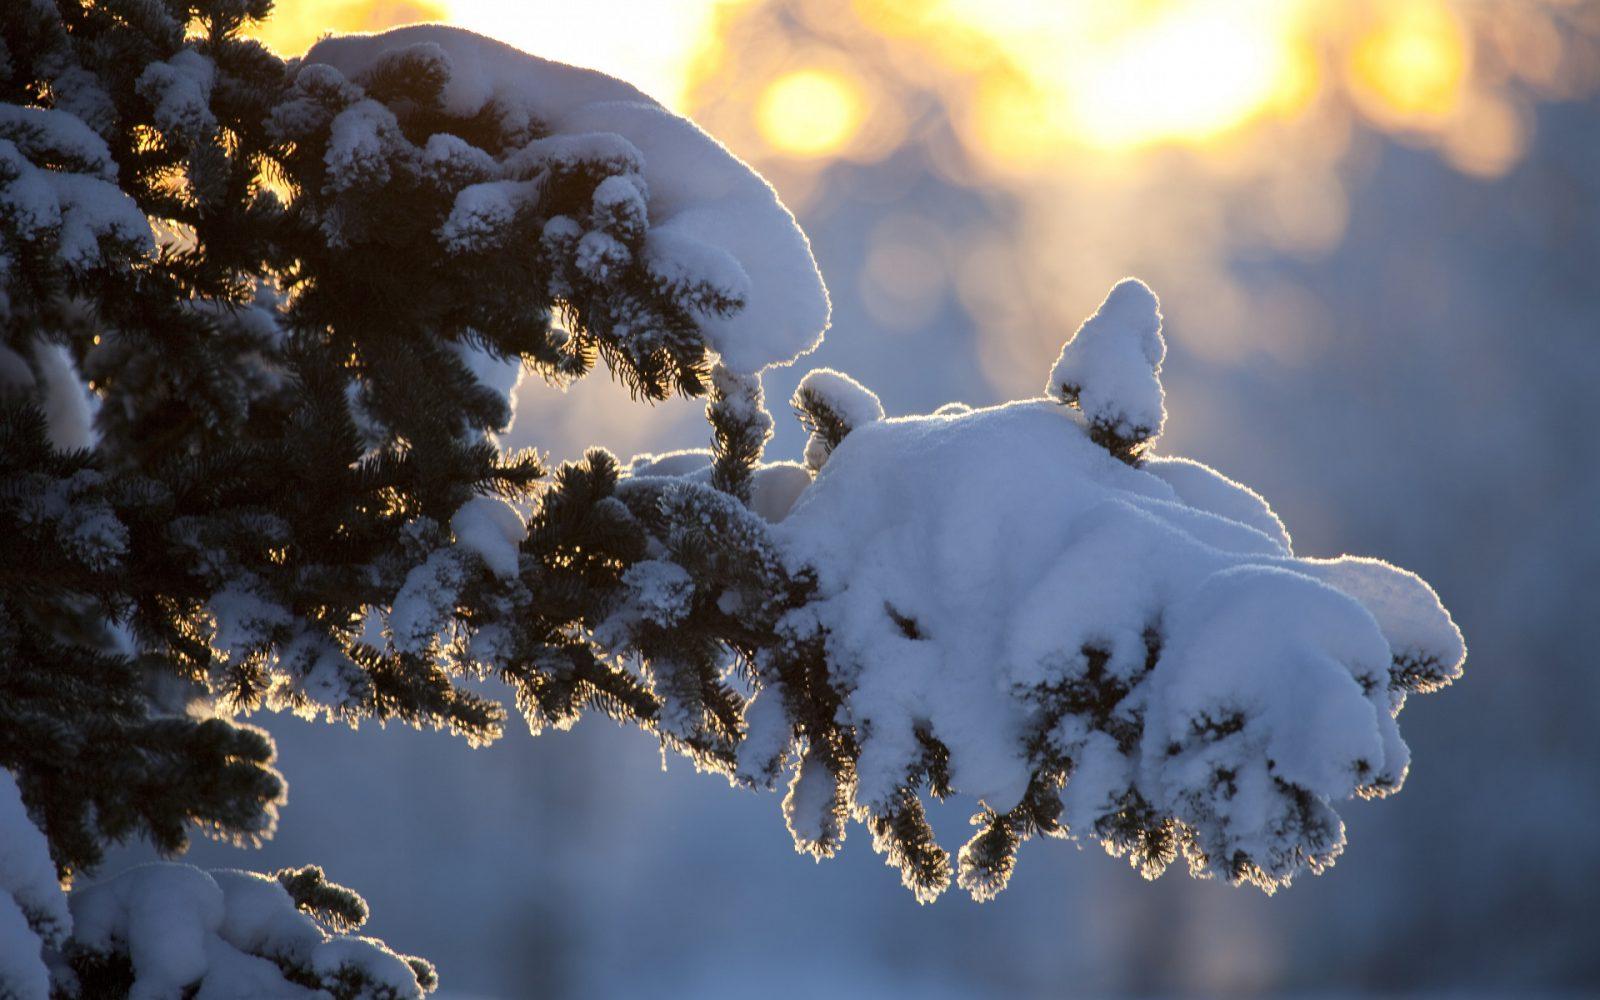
pixel 260 323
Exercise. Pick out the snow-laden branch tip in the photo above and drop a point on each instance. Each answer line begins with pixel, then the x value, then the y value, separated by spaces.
pixel 1020 604
pixel 1014 587
pixel 713 221
pixel 1111 369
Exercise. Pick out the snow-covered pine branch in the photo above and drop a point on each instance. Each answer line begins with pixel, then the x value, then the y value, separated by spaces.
pixel 1020 604
pixel 829 405
pixel 656 242
pixel 162 930
pixel 249 456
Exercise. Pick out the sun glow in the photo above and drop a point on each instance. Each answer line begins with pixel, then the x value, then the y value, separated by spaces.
pixel 1189 76
pixel 1413 63
pixel 1120 77
pixel 1108 76
pixel 1025 82
pixel 809 112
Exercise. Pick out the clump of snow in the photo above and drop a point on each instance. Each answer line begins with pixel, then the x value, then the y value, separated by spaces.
pixel 765 745
pixel 601 255
pixel 808 809
pixel 713 221
pixel 851 401
pixel 33 909
pixel 685 265
pixel 693 463
pixel 341 958
pixel 1205 488
pixel 80 93
pixel 23 974
pixel 774 486
pixel 500 374
pixel 660 592
pixel 243 621
pixel 162 915
pixel 740 400
pixel 424 608
pixel 69 406
pixel 1008 589
pixel 225 933
pixel 620 205
pixel 491 529
pixel 998 580
pixel 58 181
pixel 358 145
pixel 59 138
pixel 180 89
pixel 830 404
pixel 85 525
pixel 1110 366
pixel 480 212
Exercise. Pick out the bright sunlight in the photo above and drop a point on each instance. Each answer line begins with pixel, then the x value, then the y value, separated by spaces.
pixel 809 112
pixel 1107 77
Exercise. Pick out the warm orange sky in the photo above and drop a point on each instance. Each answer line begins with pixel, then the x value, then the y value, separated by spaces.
pixel 1104 76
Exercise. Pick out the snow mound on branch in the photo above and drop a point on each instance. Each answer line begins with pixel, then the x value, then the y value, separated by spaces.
pixel 830 404
pixel 1110 367
pixel 853 402
pixel 180 89
pixel 33 909
pixel 973 565
pixel 1207 489
pixel 712 218
pixel 492 529
pixel 224 933
pixel 774 486
pixel 58 181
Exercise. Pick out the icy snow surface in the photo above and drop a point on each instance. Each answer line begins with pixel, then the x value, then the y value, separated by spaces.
pixel 712 218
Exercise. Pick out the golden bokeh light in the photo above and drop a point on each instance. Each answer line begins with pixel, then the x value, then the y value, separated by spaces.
pixel 1413 63
pixel 1112 77
pixel 809 112
pixel 1189 73
pixel 1026 81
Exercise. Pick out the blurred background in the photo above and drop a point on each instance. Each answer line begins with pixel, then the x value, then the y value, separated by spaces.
pixel 1375 229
